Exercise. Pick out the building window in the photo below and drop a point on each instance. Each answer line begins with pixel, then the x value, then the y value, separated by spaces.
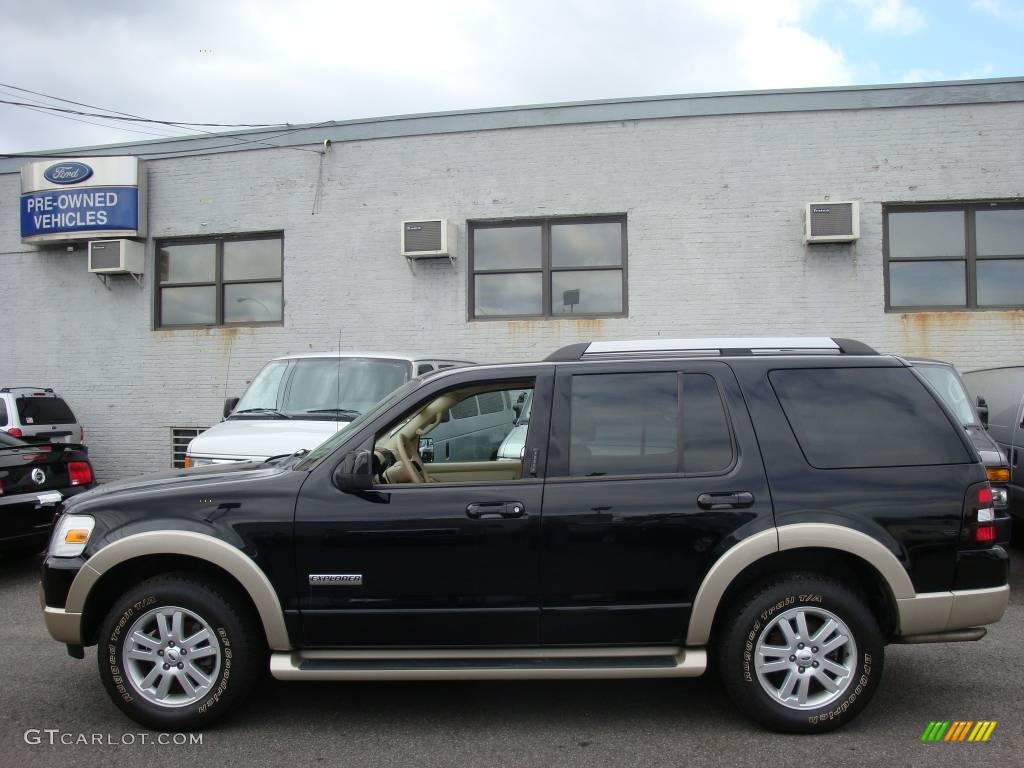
pixel 180 438
pixel 219 281
pixel 548 268
pixel 954 257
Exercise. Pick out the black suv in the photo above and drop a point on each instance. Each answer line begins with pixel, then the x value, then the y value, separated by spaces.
pixel 787 505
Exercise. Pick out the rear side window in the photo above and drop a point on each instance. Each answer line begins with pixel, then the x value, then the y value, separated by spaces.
pixel 632 424
pixel 44 410
pixel 866 417
pixel 3 413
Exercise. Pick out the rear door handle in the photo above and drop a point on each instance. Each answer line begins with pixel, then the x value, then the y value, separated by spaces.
pixel 492 510
pixel 737 500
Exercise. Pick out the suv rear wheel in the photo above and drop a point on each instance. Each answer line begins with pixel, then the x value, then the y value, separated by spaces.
pixel 802 655
pixel 174 654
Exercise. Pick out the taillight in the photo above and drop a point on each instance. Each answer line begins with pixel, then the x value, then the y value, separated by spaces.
pixel 15 432
pixel 79 472
pixel 81 434
pixel 980 521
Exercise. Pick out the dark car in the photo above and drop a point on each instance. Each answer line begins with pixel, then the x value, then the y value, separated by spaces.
pixel 947 382
pixel 789 506
pixel 999 393
pixel 34 480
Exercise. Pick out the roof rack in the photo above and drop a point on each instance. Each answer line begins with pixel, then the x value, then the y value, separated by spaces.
pixel 44 389
pixel 746 345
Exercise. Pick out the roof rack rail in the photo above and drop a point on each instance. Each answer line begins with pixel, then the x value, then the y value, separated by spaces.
pixel 722 346
pixel 45 389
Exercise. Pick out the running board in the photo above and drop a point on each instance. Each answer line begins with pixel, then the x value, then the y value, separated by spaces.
pixel 496 664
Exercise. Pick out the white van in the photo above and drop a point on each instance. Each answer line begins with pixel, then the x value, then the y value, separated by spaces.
pixel 298 401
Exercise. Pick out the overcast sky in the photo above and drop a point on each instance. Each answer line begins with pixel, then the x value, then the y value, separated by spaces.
pixel 256 61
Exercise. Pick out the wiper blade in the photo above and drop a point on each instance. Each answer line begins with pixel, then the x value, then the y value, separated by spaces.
pixel 339 411
pixel 271 411
pixel 296 454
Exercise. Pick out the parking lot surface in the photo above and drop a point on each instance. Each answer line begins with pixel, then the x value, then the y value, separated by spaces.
pixel 545 723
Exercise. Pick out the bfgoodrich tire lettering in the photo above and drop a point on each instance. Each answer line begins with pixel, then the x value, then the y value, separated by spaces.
pixel 236 642
pixel 798 612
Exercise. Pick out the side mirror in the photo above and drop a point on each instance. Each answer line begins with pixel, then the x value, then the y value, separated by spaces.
pixel 229 405
pixel 517 409
pixel 983 411
pixel 353 473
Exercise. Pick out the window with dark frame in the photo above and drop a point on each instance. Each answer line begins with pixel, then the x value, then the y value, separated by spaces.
pixel 230 280
pixel 954 257
pixel 548 267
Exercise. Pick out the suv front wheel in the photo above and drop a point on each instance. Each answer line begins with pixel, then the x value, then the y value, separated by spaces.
pixel 802 655
pixel 175 654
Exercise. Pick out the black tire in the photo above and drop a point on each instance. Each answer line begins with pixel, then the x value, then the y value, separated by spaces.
pixel 243 652
pixel 754 613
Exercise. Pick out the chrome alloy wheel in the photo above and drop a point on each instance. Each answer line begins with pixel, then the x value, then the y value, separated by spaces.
pixel 172 656
pixel 805 658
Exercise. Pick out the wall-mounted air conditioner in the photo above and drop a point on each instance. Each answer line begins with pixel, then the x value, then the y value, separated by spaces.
pixel 116 257
pixel 829 222
pixel 428 239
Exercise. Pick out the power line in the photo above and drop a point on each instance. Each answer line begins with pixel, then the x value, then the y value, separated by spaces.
pixel 186 126
pixel 147 119
pixel 194 152
pixel 154 132
pixel 101 125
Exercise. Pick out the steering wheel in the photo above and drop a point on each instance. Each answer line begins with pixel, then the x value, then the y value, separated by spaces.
pixel 411 461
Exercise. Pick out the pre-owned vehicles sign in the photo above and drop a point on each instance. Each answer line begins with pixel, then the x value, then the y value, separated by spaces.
pixel 88 197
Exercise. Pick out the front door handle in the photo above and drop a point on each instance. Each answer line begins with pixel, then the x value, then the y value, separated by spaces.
pixel 492 510
pixel 730 500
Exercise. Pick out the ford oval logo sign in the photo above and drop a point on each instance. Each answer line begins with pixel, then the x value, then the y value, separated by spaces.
pixel 67 173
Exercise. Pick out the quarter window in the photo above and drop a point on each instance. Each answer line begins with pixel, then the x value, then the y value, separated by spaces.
pixel 954 257
pixel 548 268
pixel 866 417
pixel 221 281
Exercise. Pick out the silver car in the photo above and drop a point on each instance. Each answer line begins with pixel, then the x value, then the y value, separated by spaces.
pixel 37 415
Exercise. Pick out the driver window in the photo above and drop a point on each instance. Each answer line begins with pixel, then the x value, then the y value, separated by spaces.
pixel 473 433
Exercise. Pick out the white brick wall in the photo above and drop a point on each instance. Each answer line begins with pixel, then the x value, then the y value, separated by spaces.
pixel 714 209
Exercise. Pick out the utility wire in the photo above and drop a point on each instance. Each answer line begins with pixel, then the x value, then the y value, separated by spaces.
pixel 155 132
pixel 149 119
pixel 137 118
pixel 196 152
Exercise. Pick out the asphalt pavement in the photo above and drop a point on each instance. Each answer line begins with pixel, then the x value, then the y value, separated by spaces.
pixel 46 696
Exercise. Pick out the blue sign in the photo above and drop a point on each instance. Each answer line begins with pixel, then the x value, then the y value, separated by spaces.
pixel 67 173
pixel 58 211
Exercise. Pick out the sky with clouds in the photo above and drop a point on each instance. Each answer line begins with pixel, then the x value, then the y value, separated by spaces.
pixel 266 61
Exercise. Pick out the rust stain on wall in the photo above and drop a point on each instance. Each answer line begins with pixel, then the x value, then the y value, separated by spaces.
pixel 925 333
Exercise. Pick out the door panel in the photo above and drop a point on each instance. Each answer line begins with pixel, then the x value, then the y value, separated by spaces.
pixel 439 564
pixel 624 554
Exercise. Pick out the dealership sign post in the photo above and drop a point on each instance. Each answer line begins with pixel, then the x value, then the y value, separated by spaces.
pixel 83 198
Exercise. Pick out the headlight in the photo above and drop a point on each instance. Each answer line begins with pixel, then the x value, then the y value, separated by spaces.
pixel 71 536
pixel 192 461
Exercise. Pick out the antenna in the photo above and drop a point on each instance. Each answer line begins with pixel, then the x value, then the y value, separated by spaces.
pixel 337 404
pixel 227 370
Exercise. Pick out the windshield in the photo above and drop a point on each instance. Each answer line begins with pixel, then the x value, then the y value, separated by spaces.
pixel 330 444
pixel 321 388
pixel 947 384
